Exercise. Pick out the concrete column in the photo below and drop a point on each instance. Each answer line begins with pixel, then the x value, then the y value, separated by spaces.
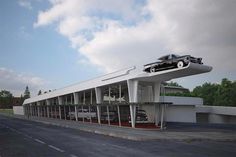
pixel 109 94
pixel 35 110
pixel 118 111
pixel 132 108
pixel 43 111
pixel 133 98
pixel 133 90
pixel 66 106
pixel 118 107
pixel 24 109
pixel 163 108
pixel 69 111
pixel 156 98
pixel 51 111
pixel 38 104
pixel 52 115
pixel 48 103
pixel 98 93
pixel 64 111
pixel 108 115
pixel 91 97
pixel 76 102
pixel 55 110
pixel 30 109
pixel 59 105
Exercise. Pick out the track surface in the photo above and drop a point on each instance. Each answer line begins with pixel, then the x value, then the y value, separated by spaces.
pixel 22 138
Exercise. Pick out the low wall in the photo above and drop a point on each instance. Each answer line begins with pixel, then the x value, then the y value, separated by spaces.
pixel 216 114
pixel 18 110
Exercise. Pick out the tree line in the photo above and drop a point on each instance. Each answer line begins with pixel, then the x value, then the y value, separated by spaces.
pixel 7 99
pixel 213 94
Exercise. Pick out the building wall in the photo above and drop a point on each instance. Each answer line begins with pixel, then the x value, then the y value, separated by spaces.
pixel 202 117
pixel 216 114
pixel 177 100
pixel 181 113
pixel 232 120
pixel 221 119
pixel 18 110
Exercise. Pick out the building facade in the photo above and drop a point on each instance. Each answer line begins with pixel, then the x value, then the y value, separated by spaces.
pixel 124 97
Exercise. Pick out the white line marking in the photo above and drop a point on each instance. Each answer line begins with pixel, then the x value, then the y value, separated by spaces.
pixel 72 155
pixel 58 149
pixel 14 130
pixel 37 140
pixel 27 136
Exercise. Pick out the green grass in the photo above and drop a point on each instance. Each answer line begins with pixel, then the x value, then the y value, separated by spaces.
pixel 6 111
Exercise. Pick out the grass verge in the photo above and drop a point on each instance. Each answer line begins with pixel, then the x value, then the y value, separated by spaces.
pixel 6 111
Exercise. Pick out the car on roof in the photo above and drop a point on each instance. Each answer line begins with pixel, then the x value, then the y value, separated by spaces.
pixel 171 61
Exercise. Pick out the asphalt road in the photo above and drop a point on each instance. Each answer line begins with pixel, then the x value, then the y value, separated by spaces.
pixel 22 138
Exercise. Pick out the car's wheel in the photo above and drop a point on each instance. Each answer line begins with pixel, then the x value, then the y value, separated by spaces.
pixel 180 64
pixel 152 69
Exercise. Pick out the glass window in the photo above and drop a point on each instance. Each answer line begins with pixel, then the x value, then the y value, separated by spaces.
pixel 105 94
pixel 124 93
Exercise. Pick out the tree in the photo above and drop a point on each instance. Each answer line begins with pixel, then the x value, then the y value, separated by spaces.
pixel 223 94
pixel 5 94
pixel 27 93
pixel 5 99
pixel 207 91
pixel 40 92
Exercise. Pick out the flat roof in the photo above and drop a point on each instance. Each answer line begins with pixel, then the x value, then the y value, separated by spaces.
pixel 131 73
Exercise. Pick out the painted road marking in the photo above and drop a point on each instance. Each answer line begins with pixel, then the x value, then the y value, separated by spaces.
pixel 14 130
pixel 58 149
pixel 27 135
pixel 37 140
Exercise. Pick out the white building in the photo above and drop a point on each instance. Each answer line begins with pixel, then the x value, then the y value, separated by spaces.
pixel 124 93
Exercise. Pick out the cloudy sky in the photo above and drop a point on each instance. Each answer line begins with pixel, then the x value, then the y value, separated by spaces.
pixel 55 43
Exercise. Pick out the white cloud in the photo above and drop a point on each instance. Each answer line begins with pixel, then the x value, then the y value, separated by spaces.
pixel 16 82
pixel 25 4
pixel 116 34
